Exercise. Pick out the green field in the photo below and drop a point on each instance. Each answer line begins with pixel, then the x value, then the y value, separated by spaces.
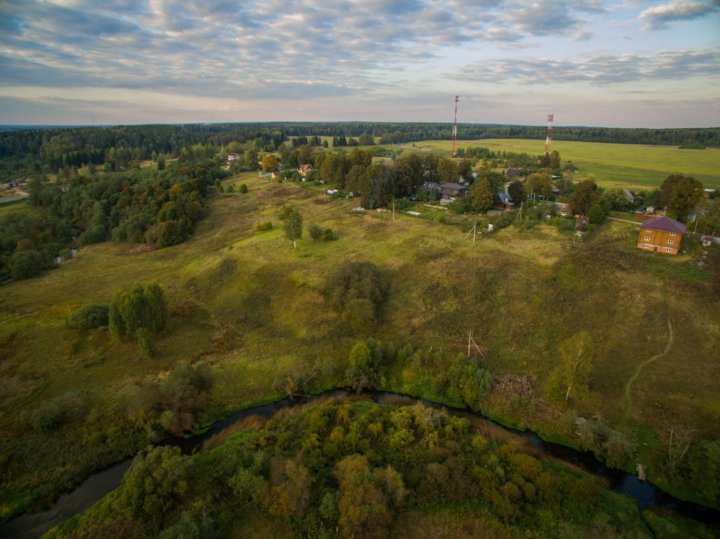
pixel 633 166
pixel 253 307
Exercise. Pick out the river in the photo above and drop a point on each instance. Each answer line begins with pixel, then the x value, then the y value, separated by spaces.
pixel 647 495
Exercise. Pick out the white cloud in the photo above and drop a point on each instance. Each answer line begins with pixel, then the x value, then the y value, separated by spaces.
pixel 659 17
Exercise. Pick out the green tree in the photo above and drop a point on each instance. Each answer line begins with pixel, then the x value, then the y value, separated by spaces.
pixel 143 306
pixel 481 195
pixel 596 214
pixel 447 170
pixel 680 194
pixel 269 163
pixel 539 184
pixel 292 224
pixel 360 374
pixel 516 190
pixel 292 496
pixel 154 483
pixel 583 197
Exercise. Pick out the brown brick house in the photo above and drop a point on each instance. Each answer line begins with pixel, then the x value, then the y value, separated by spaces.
pixel 661 235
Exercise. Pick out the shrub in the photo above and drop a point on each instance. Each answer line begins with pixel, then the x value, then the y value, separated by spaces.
pixel 90 317
pixel 263 227
pixel 315 231
pixel 243 189
pixel 52 414
pixel 329 235
pixel 355 281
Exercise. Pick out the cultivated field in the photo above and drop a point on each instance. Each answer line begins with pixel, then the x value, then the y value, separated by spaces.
pixel 635 166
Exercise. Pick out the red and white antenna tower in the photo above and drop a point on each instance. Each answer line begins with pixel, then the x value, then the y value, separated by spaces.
pixel 454 130
pixel 548 138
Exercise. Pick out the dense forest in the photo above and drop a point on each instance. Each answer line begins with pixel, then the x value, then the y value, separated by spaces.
pixel 156 207
pixel 24 152
pixel 361 470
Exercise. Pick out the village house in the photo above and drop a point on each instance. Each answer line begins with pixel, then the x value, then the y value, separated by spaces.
pixel 452 190
pixel 661 235
pixel 233 157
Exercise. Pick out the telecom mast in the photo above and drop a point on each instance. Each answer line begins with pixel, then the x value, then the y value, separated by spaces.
pixel 454 129
pixel 548 138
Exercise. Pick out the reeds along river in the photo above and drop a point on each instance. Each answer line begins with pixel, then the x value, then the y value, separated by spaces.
pixel 32 525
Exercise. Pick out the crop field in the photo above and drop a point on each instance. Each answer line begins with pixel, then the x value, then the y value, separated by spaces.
pixel 633 166
pixel 253 307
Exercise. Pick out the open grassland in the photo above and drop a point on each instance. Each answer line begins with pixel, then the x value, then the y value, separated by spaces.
pixel 634 166
pixel 253 308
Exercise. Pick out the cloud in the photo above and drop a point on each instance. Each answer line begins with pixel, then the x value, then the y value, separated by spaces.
pixel 233 48
pixel 599 70
pixel 660 17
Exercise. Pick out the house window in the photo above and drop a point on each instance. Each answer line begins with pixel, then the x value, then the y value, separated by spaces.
pixel 668 250
pixel 670 242
pixel 647 238
pixel 672 233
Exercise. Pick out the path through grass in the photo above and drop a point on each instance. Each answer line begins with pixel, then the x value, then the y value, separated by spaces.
pixel 636 374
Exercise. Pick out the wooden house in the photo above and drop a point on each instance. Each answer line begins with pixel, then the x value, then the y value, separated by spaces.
pixel 452 190
pixel 661 235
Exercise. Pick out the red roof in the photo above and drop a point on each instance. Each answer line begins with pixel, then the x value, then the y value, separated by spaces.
pixel 664 223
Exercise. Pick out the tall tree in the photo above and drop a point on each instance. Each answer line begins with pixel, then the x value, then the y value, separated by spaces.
pixel 680 194
pixel 584 196
pixel 516 190
pixel 481 195
pixel 292 224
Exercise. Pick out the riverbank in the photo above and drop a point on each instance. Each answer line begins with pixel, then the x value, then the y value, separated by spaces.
pixel 94 488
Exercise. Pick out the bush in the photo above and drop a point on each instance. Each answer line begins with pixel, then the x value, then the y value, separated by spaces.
pixel 315 231
pixel 357 281
pixel 329 235
pixel 52 414
pixel 90 317
pixel 243 189
pixel 263 227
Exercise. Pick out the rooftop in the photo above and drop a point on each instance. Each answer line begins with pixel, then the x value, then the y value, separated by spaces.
pixel 664 223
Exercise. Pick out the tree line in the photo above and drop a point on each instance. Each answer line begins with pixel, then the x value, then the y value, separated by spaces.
pixel 27 151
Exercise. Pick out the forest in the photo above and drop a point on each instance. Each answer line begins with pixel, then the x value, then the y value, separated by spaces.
pixel 29 151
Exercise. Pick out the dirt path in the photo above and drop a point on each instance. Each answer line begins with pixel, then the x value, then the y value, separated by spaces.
pixel 624 221
pixel 636 374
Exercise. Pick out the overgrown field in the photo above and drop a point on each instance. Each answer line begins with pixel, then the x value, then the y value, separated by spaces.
pixel 253 307
pixel 634 166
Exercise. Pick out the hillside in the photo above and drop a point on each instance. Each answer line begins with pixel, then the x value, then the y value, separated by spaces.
pixel 253 308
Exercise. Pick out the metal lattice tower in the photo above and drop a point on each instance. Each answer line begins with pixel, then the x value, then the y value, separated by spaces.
pixel 454 129
pixel 548 138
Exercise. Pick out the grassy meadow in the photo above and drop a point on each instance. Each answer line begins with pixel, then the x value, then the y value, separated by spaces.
pixel 252 306
pixel 634 166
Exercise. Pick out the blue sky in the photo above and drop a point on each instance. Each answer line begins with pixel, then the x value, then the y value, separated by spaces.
pixel 611 63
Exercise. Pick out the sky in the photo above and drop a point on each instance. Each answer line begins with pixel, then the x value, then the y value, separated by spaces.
pixel 626 63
